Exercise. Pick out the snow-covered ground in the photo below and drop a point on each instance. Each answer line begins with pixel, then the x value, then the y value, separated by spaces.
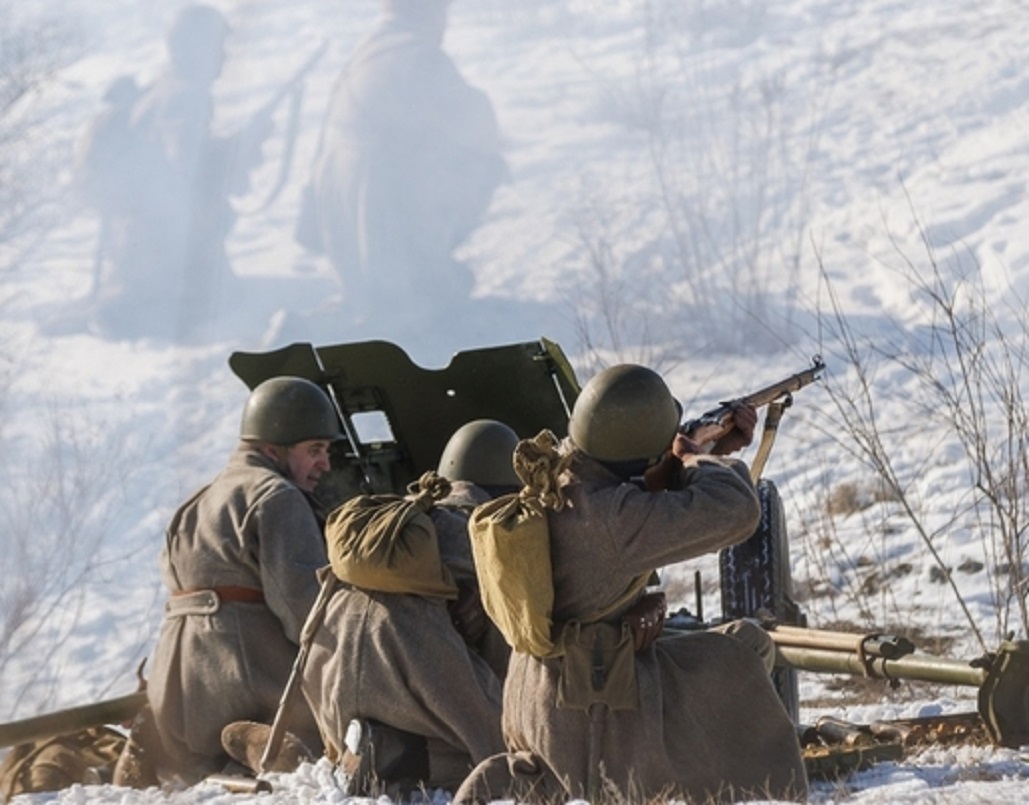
pixel 720 188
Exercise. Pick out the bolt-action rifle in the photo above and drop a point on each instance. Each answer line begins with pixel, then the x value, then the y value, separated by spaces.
pixel 709 427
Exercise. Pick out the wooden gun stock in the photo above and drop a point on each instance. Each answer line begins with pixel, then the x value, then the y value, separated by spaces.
pixel 711 426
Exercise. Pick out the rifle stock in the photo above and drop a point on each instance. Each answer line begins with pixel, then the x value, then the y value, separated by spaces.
pixel 709 427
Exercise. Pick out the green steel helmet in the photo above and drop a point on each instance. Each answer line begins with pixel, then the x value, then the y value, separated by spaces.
pixel 287 410
pixel 624 413
pixel 482 452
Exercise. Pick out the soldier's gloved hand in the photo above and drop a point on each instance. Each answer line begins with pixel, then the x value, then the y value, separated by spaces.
pixel 683 445
pixel 467 613
pixel 744 419
pixel 665 474
pixel 662 475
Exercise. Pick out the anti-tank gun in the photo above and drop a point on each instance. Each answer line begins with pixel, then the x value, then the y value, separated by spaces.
pixel 397 417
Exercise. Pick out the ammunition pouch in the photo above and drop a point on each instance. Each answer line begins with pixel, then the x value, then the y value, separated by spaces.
pixel 598 667
pixel 599 659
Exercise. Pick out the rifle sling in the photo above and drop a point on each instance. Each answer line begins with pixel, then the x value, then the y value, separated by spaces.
pixel 775 412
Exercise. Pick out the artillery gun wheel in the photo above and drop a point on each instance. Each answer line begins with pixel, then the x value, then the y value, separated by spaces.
pixel 755 575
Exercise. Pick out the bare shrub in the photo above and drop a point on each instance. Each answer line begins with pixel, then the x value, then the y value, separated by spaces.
pixel 706 254
pixel 845 564
pixel 33 48
pixel 967 365
pixel 846 499
pixel 853 497
pixel 61 499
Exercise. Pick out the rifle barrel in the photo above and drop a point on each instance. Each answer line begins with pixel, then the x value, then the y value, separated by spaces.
pixel 764 396
pixel 789 384
pixel 286 88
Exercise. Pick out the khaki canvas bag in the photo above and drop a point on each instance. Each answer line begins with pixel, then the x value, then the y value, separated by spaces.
pixel 388 543
pixel 511 547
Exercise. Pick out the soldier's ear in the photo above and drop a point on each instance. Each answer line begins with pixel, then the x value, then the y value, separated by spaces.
pixel 275 452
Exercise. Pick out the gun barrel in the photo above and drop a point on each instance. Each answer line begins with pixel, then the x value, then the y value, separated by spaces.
pixel 758 398
pixel 111 711
pixel 270 105
pixel 875 645
pixel 914 666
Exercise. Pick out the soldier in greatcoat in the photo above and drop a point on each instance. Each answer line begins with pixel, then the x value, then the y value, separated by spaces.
pixel 408 161
pixel 163 184
pixel 239 561
pixel 407 687
pixel 687 715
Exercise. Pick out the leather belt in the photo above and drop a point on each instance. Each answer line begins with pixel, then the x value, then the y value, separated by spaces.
pixel 207 601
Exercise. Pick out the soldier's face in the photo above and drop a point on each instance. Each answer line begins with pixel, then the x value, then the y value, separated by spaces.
pixel 306 462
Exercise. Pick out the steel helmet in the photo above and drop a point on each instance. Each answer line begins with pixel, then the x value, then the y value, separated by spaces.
pixel 287 410
pixel 624 413
pixel 482 452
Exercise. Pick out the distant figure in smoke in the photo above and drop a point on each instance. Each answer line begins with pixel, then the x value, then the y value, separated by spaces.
pixel 407 164
pixel 104 170
pixel 162 185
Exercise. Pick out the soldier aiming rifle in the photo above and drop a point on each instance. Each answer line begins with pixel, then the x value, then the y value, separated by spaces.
pixel 712 425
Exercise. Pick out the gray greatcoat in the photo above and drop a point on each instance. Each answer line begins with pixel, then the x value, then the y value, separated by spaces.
pixel 398 659
pixel 407 164
pixel 708 721
pixel 249 528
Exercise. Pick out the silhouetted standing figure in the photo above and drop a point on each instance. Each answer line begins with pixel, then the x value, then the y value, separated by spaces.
pixel 407 164
pixel 103 170
pixel 165 210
